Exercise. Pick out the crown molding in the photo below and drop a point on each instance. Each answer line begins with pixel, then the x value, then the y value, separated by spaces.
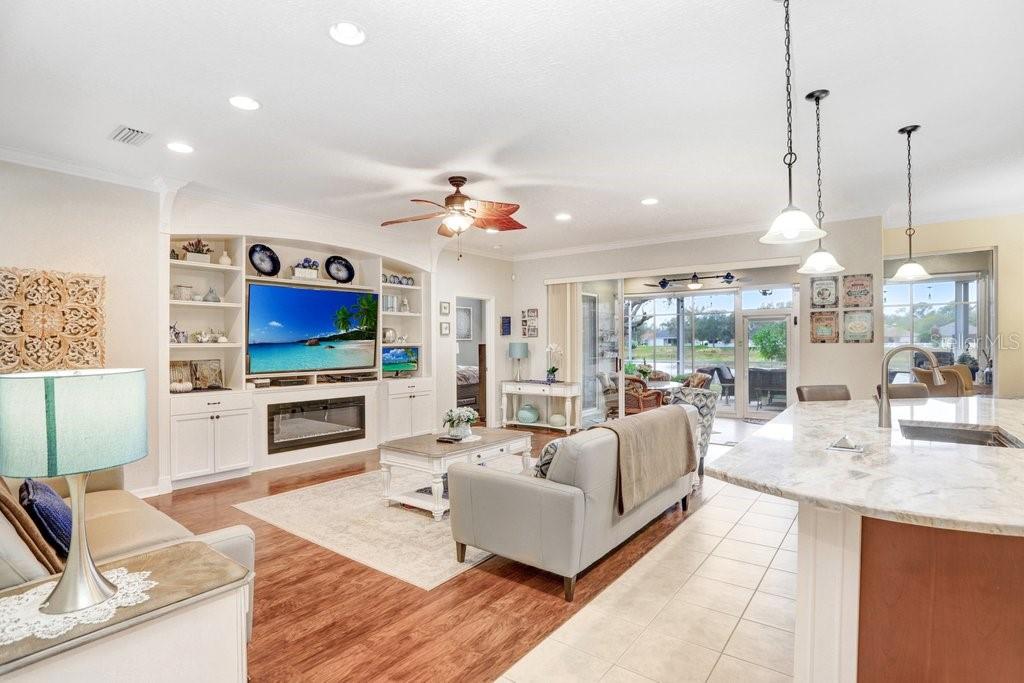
pixel 894 217
pixel 40 161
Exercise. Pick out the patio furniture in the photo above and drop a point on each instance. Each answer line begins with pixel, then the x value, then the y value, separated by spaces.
pixel 912 390
pixel 698 380
pixel 639 398
pixel 943 357
pixel 658 376
pixel 725 378
pixel 823 392
pixel 706 403
pixel 766 384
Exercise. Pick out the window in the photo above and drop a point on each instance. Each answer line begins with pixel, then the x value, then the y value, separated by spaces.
pixel 767 298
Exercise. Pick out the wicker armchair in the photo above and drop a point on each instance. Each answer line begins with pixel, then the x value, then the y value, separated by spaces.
pixel 659 376
pixel 639 398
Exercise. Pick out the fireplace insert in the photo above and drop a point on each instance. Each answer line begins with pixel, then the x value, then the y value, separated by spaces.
pixel 304 424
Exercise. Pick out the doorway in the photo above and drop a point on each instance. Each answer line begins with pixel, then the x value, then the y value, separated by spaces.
pixel 472 355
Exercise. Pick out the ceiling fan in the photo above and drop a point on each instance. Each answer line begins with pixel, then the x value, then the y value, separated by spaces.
pixel 694 281
pixel 459 213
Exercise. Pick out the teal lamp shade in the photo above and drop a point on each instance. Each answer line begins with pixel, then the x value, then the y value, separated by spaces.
pixel 71 421
pixel 518 350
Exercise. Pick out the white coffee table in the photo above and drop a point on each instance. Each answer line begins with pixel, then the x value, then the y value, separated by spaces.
pixel 425 454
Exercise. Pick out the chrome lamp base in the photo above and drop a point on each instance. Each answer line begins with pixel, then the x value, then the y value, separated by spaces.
pixel 81 585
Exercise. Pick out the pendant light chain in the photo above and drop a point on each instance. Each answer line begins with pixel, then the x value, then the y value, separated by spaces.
pixel 910 202
pixel 817 121
pixel 790 158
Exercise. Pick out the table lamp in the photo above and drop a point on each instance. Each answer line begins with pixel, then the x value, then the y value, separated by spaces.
pixel 70 423
pixel 518 351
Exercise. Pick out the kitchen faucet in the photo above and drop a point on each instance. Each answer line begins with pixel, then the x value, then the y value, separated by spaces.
pixel 884 409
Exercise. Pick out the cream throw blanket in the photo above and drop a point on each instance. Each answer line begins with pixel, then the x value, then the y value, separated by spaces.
pixel 656 448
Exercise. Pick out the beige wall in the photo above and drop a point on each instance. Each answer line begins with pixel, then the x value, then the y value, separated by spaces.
pixel 1006 235
pixel 477 277
pixel 63 222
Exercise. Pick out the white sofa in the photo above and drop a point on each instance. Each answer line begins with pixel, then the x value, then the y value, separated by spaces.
pixel 563 523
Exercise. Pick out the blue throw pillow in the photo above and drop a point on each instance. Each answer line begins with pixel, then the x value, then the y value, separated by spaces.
pixel 546 456
pixel 50 513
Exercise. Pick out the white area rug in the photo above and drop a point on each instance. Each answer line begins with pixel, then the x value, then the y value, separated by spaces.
pixel 349 516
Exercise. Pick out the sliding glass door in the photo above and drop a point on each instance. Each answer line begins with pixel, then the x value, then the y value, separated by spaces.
pixel 600 341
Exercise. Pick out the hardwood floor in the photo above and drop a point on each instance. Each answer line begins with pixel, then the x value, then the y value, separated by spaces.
pixel 322 617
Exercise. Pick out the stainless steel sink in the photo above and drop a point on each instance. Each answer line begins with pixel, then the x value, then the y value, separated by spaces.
pixel 949 432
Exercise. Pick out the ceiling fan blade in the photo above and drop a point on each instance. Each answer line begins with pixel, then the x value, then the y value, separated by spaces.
pixel 485 208
pixel 427 201
pixel 444 231
pixel 436 214
pixel 497 223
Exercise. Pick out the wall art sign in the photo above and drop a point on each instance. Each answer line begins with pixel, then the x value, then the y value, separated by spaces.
pixel 506 325
pixel 858 291
pixel 824 292
pixel 463 323
pixel 50 320
pixel 858 327
pixel 824 327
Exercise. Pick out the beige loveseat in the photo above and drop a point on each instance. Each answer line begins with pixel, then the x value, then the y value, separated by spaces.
pixel 118 524
pixel 563 523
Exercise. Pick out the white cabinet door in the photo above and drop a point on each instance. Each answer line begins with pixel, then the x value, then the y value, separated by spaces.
pixel 233 439
pixel 422 413
pixel 399 417
pixel 191 445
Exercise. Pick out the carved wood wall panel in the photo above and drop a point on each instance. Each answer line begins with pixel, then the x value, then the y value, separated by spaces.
pixel 50 320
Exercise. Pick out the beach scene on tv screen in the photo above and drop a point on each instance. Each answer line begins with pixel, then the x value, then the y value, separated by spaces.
pixel 398 360
pixel 296 329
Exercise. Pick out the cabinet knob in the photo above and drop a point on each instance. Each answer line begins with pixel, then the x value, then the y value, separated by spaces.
pixel 211 417
pixel 218 417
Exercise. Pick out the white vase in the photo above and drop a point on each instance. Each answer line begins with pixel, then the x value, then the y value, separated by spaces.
pixel 224 259
pixel 460 431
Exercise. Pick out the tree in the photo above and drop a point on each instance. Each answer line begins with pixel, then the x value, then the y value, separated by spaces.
pixel 715 327
pixel 343 319
pixel 770 341
pixel 366 312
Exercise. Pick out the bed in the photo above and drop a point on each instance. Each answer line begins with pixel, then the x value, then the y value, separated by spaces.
pixel 467 378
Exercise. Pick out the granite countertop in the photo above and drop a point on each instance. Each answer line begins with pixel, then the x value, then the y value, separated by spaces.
pixel 946 485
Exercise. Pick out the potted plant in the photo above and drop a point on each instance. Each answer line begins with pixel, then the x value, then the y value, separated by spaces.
pixel 644 371
pixel 970 361
pixel 197 251
pixel 459 421
pixel 555 354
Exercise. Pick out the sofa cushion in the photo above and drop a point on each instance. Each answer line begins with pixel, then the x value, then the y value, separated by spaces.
pixel 118 523
pixel 50 513
pixel 546 456
pixel 25 529
pixel 17 563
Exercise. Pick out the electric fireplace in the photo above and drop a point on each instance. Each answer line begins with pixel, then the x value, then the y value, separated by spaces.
pixel 304 424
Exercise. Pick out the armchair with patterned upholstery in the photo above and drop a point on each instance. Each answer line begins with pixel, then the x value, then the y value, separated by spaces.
pixel 639 398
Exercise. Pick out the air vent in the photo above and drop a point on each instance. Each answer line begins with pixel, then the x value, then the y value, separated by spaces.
pixel 130 136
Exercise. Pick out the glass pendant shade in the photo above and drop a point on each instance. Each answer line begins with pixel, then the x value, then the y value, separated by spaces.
pixel 911 271
pixel 792 226
pixel 458 222
pixel 820 262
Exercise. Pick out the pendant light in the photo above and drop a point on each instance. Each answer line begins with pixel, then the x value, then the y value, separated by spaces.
pixel 792 225
pixel 911 270
pixel 821 261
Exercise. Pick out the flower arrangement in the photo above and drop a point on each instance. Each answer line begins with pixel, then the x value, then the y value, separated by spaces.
pixel 458 421
pixel 308 263
pixel 555 355
pixel 197 246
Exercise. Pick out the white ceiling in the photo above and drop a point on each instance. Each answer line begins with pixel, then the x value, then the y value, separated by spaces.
pixel 584 106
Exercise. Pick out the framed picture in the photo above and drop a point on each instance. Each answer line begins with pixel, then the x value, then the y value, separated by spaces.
pixel 463 323
pixel 446 308
pixel 824 292
pixel 858 327
pixel 532 331
pixel 531 313
pixel 181 371
pixel 506 325
pixel 858 291
pixel 446 329
pixel 207 374
pixel 824 327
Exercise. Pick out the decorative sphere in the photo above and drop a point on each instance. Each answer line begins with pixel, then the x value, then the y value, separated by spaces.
pixel 557 420
pixel 528 413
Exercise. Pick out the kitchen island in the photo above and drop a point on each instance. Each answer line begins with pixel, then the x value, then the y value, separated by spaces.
pixel 911 549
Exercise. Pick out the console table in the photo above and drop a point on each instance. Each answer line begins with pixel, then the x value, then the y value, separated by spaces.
pixel 569 392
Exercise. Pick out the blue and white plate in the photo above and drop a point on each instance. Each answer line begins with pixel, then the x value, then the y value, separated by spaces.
pixel 264 260
pixel 340 270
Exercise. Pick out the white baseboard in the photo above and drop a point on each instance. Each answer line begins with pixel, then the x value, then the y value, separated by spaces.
pixel 162 487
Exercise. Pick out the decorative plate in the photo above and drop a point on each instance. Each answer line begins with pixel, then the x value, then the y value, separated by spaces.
pixel 264 260
pixel 384 278
pixel 339 268
pixel 395 280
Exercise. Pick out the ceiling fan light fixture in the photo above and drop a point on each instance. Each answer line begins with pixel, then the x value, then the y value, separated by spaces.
pixel 348 34
pixel 694 282
pixel 491 231
pixel 457 221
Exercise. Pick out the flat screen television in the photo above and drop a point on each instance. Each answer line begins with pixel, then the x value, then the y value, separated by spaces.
pixel 291 328
pixel 399 359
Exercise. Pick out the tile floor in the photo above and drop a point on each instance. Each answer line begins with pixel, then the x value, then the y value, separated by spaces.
pixel 714 601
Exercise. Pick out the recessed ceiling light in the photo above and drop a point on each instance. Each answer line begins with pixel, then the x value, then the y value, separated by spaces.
pixel 244 103
pixel 180 147
pixel 563 217
pixel 347 33
pixel 491 230
pixel 649 201
pixel 497 246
